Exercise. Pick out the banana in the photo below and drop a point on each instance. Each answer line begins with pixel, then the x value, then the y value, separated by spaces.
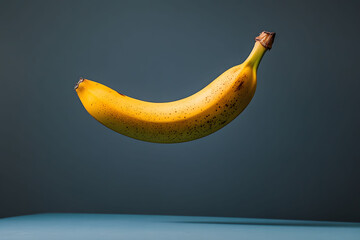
pixel 183 120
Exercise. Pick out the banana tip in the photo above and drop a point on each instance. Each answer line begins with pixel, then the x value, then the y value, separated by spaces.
pixel 78 83
pixel 266 39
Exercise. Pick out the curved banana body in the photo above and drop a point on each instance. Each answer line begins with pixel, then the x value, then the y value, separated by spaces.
pixel 183 120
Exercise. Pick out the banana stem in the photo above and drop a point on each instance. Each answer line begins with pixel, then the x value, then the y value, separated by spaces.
pixel 262 43
pixel 255 56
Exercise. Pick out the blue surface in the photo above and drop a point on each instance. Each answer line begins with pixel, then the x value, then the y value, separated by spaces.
pixel 115 226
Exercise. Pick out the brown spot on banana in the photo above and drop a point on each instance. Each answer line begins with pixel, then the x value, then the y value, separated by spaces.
pixel 239 86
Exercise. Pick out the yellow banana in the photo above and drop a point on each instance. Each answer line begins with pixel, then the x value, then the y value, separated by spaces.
pixel 183 120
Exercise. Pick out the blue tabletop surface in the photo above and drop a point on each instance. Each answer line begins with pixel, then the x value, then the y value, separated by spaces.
pixel 118 226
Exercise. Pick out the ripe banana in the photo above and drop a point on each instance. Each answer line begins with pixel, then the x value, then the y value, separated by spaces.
pixel 183 120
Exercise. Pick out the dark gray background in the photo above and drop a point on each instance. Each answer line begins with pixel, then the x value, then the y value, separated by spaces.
pixel 293 153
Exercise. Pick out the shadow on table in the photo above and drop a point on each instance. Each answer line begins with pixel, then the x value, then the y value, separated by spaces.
pixel 282 223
